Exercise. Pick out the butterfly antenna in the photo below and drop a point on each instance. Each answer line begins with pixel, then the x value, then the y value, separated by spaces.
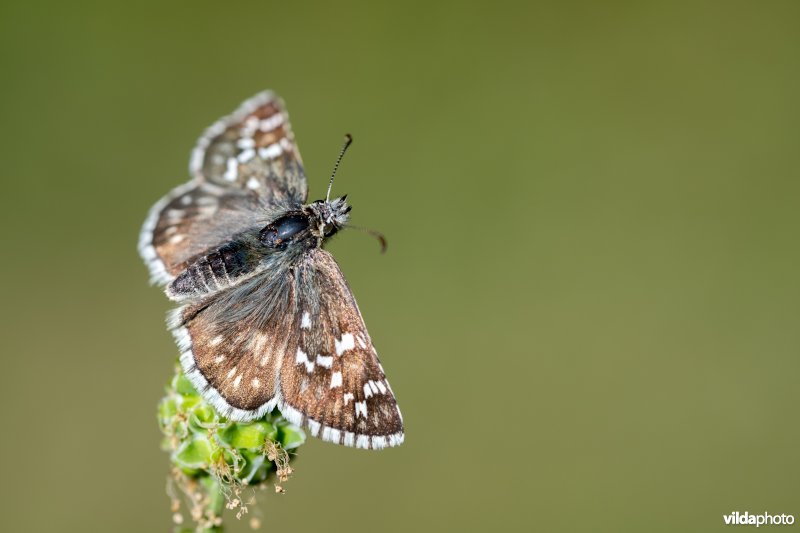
pixel 348 139
pixel 377 234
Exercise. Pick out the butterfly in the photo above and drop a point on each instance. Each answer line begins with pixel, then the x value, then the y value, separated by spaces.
pixel 266 318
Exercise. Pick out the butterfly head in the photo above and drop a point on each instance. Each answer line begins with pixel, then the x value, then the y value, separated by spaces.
pixel 314 223
pixel 329 216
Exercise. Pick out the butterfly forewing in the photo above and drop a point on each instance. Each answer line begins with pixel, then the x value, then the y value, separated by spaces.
pixel 241 166
pixel 253 149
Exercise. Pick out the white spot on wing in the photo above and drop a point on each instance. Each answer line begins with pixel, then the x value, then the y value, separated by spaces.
pixel 347 343
pixel 246 155
pixel 305 323
pixel 215 341
pixel 302 358
pixel 270 123
pixel 325 361
pixel 175 239
pixel 249 128
pixel 258 341
pixel 246 142
pixel 231 170
pixel 256 383
pixel 237 381
pixel 367 391
pixel 361 407
pixel 232 372
pixel 348 397
pixel 252 183
pixel 174 215
pixel 336 381
pixel 270 152
pixel 287 144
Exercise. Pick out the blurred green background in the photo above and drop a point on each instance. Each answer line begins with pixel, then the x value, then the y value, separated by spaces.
pixel 589 306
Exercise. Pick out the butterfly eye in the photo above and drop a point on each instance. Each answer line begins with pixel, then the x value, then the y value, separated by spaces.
pixel 281 232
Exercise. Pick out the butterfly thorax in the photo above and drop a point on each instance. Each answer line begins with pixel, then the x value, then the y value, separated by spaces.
pixel 307 227
pixel 288 236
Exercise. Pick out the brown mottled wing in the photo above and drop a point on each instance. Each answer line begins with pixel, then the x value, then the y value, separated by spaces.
pixel 242 166
pixel 253 149
pixel 331 380
pixel 232 344
pixel 188 221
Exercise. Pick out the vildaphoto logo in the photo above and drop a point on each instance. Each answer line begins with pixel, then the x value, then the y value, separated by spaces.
pixel 746 519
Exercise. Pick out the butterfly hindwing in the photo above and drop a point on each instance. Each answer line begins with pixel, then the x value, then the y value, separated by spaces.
pixel 233 343
pixel 331 379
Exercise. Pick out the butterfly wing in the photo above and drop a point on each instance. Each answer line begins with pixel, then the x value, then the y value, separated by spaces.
pixel 331 380
pixel 233 342
pixel 295 340
pixel 253 149
pixel 242 166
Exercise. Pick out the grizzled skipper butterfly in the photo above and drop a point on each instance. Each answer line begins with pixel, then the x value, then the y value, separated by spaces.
pixel 266 318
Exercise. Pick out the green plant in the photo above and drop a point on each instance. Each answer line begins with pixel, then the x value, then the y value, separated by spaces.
pixel 218 463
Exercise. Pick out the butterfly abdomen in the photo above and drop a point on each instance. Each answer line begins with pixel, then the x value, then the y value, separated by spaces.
pixel 214 271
